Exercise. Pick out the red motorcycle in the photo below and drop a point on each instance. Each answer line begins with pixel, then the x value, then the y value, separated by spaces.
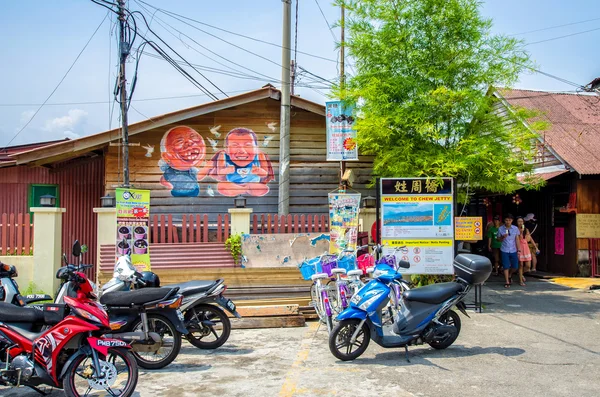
pixel 42 346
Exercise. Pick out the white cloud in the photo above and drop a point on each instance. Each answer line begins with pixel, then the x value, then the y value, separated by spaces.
pixel 67 124
pixel 26 115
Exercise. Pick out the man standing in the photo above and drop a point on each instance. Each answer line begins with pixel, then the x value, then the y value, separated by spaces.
pixel 494 244
pixel 508 235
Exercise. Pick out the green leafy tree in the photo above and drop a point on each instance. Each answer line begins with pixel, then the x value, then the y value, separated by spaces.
pixel 423 69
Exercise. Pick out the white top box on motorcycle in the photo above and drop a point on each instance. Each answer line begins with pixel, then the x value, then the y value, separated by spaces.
pixel 474 269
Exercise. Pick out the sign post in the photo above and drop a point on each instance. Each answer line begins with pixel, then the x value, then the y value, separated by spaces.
pixel 133 218
pixel 343 221
pixel 418 214
pixel 468 228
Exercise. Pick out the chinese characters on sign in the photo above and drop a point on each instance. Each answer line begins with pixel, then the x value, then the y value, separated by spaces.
pixel 418 213
pixel 559 240
pixel 343 221
pixel 468 228
pixel 341 136
pixel 133 216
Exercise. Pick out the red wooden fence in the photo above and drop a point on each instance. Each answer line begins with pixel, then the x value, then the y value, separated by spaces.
pixel 16 234
pixel 273 224
pixel 194 228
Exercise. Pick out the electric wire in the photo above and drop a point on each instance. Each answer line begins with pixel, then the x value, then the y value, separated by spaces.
pixel 231 32
pixel 562 37
pixel 554 27
pixel 59 83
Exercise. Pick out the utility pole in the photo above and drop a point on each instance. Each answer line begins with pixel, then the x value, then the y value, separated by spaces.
pixel 284 124
pixel 342 80
pixel 123 54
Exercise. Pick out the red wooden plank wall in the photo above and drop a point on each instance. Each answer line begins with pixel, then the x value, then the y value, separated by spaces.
pixel 81 184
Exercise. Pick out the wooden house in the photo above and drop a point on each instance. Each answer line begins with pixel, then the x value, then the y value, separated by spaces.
pixel 194 161
pixel 568 159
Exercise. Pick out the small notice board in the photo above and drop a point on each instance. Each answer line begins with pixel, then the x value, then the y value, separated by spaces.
pixel 588 226
pixel 468 228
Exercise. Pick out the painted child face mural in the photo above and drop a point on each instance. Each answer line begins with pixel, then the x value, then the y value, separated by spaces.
pixel 182 151
pixel 182 148
pixel 242 168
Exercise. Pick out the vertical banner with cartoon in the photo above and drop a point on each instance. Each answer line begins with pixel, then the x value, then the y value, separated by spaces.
pixel 341 135
pixel 343 221
pixel 418 214
pixel 133 216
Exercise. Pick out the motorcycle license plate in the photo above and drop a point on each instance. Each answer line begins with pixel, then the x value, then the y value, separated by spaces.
pixel 180 315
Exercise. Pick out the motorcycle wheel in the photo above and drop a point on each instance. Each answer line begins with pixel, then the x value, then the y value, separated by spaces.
pixel 120 381
pixel 207 336
pixel 170 343
pixel 450 318
pixel 339 340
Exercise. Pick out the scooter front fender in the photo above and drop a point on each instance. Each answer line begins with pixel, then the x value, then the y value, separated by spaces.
pixel 350 313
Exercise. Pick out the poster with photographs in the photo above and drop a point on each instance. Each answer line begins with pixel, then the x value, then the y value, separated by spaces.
pixel 133 218
pixel 343 221
pixel 341 135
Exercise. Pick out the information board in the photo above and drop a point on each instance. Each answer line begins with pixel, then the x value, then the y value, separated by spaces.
pixel 133 216
pixel 418 213
pixel 341 135
pixel 343 221
pixel 588 225
pixel 468 228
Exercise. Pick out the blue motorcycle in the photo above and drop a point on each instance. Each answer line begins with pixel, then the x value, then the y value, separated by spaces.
pixel 424 314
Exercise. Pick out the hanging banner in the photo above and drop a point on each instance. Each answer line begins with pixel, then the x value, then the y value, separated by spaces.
pixel 418 213
pixel 133 218
pixel 559 240
pixel 468 228
pixel 343 221
pixel 341 136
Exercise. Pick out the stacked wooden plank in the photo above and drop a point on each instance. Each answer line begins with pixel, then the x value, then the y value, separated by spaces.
pixel 271 316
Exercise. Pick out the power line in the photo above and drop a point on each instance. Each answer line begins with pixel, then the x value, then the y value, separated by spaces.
pixel 562 37
pixel 59 83
pixel 554 27
pixel 326 21
pixel 212 52
pixel 233 33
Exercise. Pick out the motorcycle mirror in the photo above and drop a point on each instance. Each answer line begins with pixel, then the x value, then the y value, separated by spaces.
pixel 76 249
pixel 404 264
pixel 65 259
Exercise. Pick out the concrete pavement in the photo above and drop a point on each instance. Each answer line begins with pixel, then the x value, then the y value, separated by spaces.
pixel 542 339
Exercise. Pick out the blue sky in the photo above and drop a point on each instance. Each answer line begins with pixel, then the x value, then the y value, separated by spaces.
pixel 40 40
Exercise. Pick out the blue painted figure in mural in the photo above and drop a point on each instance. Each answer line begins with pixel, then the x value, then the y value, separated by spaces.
pixel 182 152
pixel 242 168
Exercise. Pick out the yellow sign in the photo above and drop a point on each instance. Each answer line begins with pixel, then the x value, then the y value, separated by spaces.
pixel 468 228
pixel 414 199
pixel 588 225
pixel 411 243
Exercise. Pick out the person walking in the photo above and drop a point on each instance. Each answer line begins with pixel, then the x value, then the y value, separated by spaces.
pixel 524 253
pixel 508 234
pixel 494 244
pixel 533 247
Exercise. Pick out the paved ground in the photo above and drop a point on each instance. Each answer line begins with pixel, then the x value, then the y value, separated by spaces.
pixel 543 339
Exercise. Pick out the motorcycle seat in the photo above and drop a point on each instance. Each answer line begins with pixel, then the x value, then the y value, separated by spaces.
pixel 10 313
pixel 434 293
pixel 194 287
pixel 136 297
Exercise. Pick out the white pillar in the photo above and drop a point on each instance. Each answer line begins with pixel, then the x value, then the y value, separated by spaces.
pixel 47 247
pixel 240 220
pixel 106 232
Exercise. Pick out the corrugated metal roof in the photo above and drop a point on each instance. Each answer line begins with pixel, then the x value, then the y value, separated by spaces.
pixel 574 131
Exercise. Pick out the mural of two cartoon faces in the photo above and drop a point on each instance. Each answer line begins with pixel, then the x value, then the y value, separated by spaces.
pixel 241 168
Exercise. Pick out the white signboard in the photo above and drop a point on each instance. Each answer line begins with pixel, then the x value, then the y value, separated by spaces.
pixel 419 213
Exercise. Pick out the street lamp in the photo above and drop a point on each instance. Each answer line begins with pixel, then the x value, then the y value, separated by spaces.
pixel 107 201
pixel 47 200
pixel 239 201
pixel 369 202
